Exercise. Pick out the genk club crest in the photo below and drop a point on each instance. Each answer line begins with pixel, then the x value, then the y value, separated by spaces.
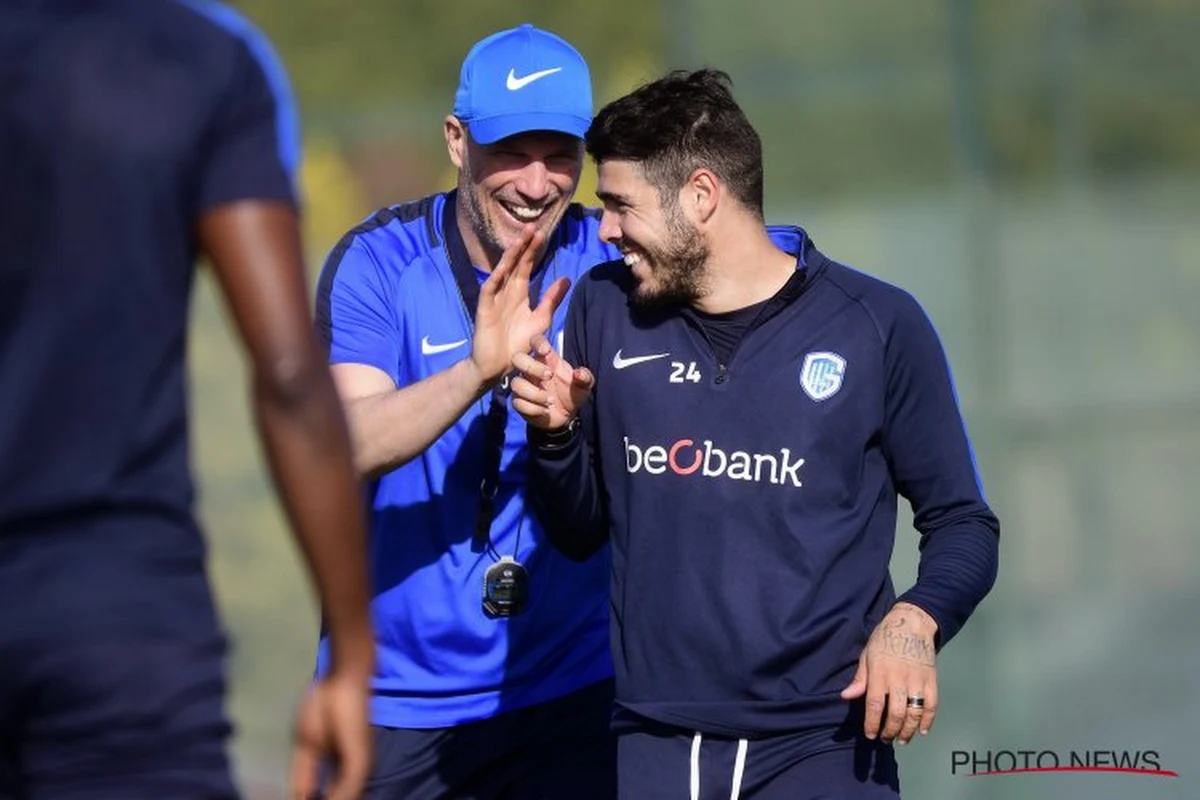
pixel 821 375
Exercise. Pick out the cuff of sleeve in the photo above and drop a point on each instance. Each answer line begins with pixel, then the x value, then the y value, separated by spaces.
pixel 556 442
pixel 280 193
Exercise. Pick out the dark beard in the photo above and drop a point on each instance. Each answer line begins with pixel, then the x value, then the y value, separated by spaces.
pixel 679 269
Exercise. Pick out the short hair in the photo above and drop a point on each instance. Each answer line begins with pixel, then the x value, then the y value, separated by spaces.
pixel 677 124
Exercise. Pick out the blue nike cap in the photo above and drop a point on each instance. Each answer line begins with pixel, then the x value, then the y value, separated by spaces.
pixel 520 80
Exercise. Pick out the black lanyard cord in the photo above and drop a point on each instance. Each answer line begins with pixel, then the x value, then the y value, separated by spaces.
pixel 496 420
pixel 494 425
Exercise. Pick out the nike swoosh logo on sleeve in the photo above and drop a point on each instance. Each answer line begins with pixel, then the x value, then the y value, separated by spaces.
pixel 430 349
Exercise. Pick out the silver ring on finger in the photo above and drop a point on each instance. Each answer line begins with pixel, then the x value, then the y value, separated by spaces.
pixel 916 701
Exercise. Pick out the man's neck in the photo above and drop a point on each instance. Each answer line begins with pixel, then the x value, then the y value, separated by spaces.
pixel 745 267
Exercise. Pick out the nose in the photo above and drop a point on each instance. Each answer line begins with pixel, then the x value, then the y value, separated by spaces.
pixel 610 227
pixel 534 181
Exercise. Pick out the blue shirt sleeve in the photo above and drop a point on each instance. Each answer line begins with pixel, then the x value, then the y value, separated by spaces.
pixel 251 146
pixel 355 315
pixel 933 465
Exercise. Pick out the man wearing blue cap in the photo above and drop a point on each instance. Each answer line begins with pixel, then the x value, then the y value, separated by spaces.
pixel 494 673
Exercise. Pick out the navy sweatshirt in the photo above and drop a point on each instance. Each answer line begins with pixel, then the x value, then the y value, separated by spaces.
pixel 751 505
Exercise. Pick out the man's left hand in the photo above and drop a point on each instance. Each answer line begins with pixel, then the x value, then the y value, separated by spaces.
pixel 896 672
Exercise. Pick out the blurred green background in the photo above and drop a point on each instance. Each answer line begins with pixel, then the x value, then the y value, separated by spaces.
pixel 1030 169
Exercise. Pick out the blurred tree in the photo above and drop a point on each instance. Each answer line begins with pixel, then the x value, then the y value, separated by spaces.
pixel 333 196
pixel 372 54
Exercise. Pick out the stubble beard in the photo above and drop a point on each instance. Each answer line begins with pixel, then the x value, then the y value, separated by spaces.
pixel 677 268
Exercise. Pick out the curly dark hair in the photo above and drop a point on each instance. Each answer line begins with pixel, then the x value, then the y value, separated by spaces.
pixel 677 124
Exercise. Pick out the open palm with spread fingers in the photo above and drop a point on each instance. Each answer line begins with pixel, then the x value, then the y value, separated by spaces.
pixel 549 391
pixel 504 322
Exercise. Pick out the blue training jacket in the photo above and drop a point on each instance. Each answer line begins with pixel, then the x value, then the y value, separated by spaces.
pixel 387 298
pixel 751 505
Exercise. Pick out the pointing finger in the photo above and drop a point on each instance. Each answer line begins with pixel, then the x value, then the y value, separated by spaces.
pixel 526 253
pixel 551 299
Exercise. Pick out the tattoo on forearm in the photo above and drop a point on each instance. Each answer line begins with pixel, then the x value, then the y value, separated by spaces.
pixel 897 640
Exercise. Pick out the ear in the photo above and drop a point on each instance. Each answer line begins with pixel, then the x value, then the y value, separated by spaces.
pixel 701 194
pixel 456 140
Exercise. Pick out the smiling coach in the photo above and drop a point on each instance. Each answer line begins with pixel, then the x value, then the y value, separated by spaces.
pixel 494 674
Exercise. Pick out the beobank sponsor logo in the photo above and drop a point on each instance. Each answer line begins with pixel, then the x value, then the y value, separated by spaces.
pixel 706 460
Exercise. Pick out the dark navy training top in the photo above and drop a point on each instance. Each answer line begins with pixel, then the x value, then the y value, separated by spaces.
pixel 751 502
pixel 121 123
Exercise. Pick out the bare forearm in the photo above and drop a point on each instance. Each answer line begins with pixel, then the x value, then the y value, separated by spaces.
pixel 309 454
pixel 392 428
pixel 254 247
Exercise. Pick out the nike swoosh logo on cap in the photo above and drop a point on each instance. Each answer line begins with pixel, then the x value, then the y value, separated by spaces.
pixel 513 83
pixel 430 349
pixel 621 363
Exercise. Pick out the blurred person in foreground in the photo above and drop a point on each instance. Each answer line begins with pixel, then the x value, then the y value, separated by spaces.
pixel 736 413
pixel 494 677
pixel 133 137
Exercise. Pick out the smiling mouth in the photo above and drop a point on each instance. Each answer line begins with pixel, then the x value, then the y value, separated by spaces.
pixel 524 214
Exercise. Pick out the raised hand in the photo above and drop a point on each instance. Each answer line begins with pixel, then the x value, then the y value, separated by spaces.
pixel 504 321
pixel 549 391
pixel 897 670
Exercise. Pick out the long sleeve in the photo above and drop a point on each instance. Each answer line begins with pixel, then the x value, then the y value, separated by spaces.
pixel 565 490
pixel 933 465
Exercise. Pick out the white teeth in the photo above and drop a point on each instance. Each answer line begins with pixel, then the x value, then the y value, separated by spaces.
pixel 632 258
pixel 524 212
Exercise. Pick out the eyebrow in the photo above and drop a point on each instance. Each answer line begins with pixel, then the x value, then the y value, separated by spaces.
pixel 612 197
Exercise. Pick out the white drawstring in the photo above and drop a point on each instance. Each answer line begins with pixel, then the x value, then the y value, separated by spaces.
pixel 695 777
pixel 739 768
